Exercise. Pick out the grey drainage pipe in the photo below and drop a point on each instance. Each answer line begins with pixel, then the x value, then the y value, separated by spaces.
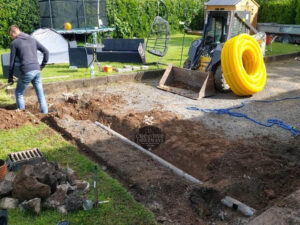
pixel 228 201
pixel 153 156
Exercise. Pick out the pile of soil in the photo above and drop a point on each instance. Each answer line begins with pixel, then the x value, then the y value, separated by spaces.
pixel 83 107
pixel 12 119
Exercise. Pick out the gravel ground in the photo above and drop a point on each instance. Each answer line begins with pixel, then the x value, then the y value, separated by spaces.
pixel 283 81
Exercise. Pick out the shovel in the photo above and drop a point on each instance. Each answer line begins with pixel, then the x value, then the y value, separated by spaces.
pixel 2 86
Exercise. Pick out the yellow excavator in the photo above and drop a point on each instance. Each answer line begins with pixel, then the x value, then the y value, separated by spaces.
pixel 202 73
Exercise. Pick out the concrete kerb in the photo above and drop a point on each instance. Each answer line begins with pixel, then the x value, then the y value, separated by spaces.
pixel 270 59
pixel 67 86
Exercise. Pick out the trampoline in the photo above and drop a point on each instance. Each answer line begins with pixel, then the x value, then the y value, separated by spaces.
pixel 85 30
pixel 85 16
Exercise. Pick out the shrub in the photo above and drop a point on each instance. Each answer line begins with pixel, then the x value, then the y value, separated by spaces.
pixel 23 13
pixel 133 18
pixel 297 19
pixel 277 11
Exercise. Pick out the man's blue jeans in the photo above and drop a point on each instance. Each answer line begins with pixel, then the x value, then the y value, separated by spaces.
pixel 35 78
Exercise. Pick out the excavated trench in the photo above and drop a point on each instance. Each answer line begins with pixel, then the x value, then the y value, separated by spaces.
pixel 254 174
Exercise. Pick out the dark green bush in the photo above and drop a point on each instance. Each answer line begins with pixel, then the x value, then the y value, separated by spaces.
pixel 277 11
pixel 133 17
pixel 24 13
pixel 297 19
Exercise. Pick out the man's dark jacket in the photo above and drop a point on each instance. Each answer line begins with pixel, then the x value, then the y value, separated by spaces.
pixel 25 48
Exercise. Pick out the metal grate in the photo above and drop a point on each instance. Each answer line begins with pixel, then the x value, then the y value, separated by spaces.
pixel 17 159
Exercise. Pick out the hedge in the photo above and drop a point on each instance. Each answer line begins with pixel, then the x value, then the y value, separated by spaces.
pixel 297 19
pixel 277 11
pixel 132 18
pixel 24 13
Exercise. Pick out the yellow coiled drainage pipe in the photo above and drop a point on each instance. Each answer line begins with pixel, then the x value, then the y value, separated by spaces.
pixel 243 65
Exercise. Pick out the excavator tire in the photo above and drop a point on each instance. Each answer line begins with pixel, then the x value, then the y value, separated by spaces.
pixel 220 82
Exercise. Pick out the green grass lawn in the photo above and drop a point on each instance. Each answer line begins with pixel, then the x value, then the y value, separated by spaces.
pixel 279 49
pixel 122 208
pixel 62 70
pixel 59 72
pixel 5 100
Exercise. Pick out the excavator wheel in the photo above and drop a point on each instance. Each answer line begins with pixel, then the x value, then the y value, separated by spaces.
pixel 220 82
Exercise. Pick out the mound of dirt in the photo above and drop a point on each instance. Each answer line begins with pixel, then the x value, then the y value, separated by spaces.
pixel 12 119
pixel 80 107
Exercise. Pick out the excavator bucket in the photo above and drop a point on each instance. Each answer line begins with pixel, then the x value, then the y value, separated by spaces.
pixel 189 83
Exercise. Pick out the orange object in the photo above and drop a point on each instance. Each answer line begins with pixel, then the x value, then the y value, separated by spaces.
pixel 67 26
pixel 107 69
pixel 3 169
pixel 269 39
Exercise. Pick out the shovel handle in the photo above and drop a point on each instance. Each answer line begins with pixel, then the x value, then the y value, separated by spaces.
pixel 7 84
pixel 4 86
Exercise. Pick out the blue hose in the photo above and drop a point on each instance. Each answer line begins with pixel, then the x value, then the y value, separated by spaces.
pixel 270 122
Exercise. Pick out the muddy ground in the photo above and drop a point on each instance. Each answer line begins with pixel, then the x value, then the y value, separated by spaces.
pixel 10 119
pixel 257 165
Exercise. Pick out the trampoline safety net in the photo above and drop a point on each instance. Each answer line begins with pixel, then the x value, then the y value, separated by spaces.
pixel 80 13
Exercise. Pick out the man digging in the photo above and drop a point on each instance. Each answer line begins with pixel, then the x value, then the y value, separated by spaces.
pixel 25 48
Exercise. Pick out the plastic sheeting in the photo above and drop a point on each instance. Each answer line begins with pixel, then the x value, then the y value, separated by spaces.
pixel 55 43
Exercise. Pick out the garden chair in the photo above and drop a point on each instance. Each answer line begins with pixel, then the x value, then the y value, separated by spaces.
pixel 5 61
pixel 80 57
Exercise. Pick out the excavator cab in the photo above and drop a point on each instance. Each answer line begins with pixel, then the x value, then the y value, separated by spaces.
pixel 218 28
pixel 215 32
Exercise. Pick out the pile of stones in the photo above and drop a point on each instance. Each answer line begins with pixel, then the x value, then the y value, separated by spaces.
pixel 44 185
